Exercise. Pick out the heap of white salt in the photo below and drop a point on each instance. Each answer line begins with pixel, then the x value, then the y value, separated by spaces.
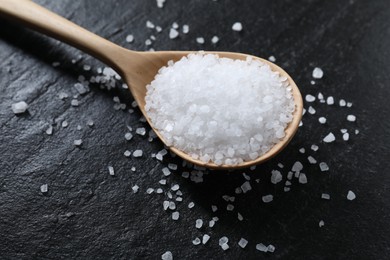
pixel 218 109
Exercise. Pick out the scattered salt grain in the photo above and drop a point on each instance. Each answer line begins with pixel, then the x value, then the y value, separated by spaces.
pixel 167 256
pixel 297 167
pixel 148 42
pixel 240 217
pixel 129 38
pixel 149 24
pixel 324 167
pixel 271 248
pixel 111 170
pixel 49 131
pixel 211 223
pixel 237 27
pixel 191 205
pixel 229 207
pixel 345 136
pixel 243 242
pixel 351 118
pixel 200 40
pixel 175 187
pixel 140 131
pixel 310 98
pixel 215 39
pixel 172 205
pixel 272 58
pixel 325 196
pixel 322 120
pixel 62 95
pixel 196 241
pixel 149 190
pixel 246 186
pixel 74 102
pixel 19 107
pixel 172 166
pixel 351 195
pixel 81 89
pixel 78 142
pixel 302 150
pixel 276 177
pixel 86 67
pixel 267 198
pixel 329 138
pixel 321 223
pixel 137 153
pixel 342 103
pixel 330 101
pixel 44 188
pixel 166 171
pixel 127 153
pixel 175 215
pixel 302 178
pixel 132 169
pixel 317 73
pixel 205 239
pixel 314 147
pixel 199 223
pixel 311 160
pixel 311 110
pixel 214 208
pixel 128 136
pixel 173 33
pixel 160 3
pixel 261 247
pixel 135 188
pixel 185 29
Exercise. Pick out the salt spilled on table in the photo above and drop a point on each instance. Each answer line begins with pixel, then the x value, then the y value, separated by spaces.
pixel 19 107
pixel 220 110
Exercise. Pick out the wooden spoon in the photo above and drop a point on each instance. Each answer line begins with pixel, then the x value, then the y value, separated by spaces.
pixel 137 68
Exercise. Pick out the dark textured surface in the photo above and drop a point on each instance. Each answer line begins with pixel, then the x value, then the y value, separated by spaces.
pixel 89 214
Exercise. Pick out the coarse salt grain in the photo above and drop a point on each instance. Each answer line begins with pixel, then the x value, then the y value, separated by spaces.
pixel 44 188
pixel 137 153
pixel 129 38
pixel 276 177
pixel 243 242
pixel 329 138
pixel 200 40
pixel 323 166
pixel 246 186
pixel 310 98
pixel 325 196
pixel 330 101
pixel 267 198
pixel 237 27
pixel 173 33
pixel 191 113
pixel 351 195
pixel 302 178
pixel 215 39
pixel 205 239
pixel 198 223
pixel 175 215
pixel 351 118
pixel 317 73
pixel 167 256
pixel 322 120
pixel 135 188
pixel 19 107
pixel 111 170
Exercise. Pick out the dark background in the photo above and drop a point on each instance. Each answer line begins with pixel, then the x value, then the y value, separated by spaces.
pixel 89 214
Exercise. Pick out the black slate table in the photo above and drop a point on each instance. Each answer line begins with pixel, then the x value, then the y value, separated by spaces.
pixel 89 214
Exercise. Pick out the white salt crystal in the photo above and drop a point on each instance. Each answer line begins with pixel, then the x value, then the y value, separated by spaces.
pixel 325 196
pixel 272 58
pixel 243 242
pixel 311 110
pixel 317 73
pixel 237 26
pixel 196 241
pixel 90 123
pixel 49 131
pixel 297 167
pixel 172 166
pixel 111 170
pixel 160 3
pixel 167 255
pixel 162 182
pixel 173 33
pixel 158 29
pixel 351 118
pixel 215 39
pixel 175 187
pixel 240 217
pixel 172 205
pixel 351 195
pixel 128 136
pixel 246 186
pixel 165 204
pixel 140 131
pixel 330 101
pixel 229 207
pixel 322 120
pixel 270 248
pixel 223 240
pixel 261 247
pixel 286 189
pixel 329 138
pixel 310 98
pixel 302 178
pixel 135 188
pixel 132 169
pixel 342 103
pixel 86 67
pixel 205 239
pixel 148 42
pixel 267 198
pixel 175 215
pixel 200 40
pixel 276 176
pixel 149 24
pixel 127 153
pixel 321 223
pixel 185 29
pixel 314 147
pixel 211 223
pixel 324 166
pixel 159 191
pixel 62 95
pixel 349 104
pixel 78 142
pixel 225 247
pixel 149 190
pixel 191 205
pixel 129 38
pixel 166 171
pixel 345 136
pixel 44 188
pixel 302 150
pixel 198 223
pixel 19 107
pixel 137 153
pixel 214 208
pixel 311 160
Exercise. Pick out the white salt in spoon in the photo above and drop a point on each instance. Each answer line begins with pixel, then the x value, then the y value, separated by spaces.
pixel 138 69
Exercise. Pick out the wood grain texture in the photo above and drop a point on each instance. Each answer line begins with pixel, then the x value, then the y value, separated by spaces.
pixel 89 214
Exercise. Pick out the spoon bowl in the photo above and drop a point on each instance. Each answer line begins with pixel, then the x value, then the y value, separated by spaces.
pixel 138 69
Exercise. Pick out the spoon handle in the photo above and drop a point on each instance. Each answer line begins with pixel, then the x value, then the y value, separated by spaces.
pixel 38 18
